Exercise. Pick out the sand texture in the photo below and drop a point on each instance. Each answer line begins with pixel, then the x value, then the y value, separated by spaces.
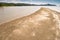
pixel 44 24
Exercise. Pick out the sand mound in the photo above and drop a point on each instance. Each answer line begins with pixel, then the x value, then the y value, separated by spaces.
pixel 42 25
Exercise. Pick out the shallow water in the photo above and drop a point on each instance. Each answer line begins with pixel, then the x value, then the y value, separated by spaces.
pixel 14 12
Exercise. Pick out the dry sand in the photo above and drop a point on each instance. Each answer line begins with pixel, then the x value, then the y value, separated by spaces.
pixel 42 25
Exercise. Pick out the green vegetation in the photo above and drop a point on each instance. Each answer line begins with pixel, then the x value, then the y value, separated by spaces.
pixel 23 4
pixel 13 4
pixel 7 4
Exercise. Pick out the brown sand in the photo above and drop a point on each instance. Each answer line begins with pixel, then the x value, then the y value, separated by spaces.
pixel 42 25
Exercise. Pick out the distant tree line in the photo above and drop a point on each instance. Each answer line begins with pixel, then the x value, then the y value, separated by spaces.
pixel 6 4
pixel 13 4
pixel 24 4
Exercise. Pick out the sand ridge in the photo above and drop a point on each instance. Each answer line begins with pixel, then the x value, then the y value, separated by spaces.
pixel 41 25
